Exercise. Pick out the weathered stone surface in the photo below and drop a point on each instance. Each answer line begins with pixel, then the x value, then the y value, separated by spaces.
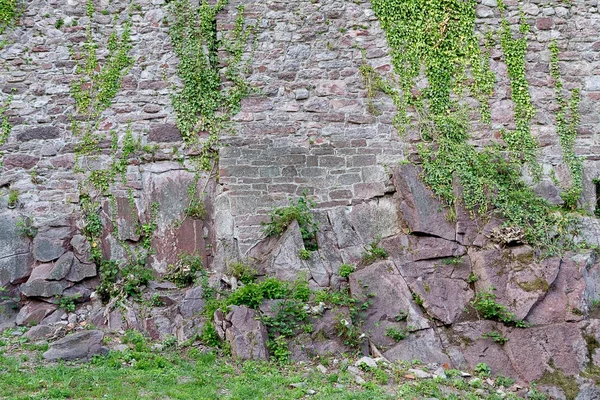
pixel 8 314
pixel 80 271
pixel 61 267
pixel 43 288
pixel 566 299
pixel 193 302
pixel 282 260
pixel 176 233
pixel 40 284
pixel 41 133
pixel 76 346
pixel 420 210
pixel 33 312
pixel 534 349
pixel 40 332
pixel 442 287
pixel 81 248
pixel 247 336
pixel 382 284
pixel 167 133
pixel 519 280
pixel 467 339
pixel 423 345
pixel 375 219
pixel 47 248
pixel 15 269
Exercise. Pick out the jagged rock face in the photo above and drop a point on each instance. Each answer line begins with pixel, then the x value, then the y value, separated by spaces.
pixel 247 336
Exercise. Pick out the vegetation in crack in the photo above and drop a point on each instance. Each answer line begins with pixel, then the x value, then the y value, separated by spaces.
pixel 281 217
pixel 435 42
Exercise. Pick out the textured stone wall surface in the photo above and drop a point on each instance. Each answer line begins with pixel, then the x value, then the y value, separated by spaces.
pixel 307 128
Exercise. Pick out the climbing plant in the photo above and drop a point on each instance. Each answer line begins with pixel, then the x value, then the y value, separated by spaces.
pixel 8 13
pixel 5 126
pixel 211 69
pixel 567 120
pixel 434 41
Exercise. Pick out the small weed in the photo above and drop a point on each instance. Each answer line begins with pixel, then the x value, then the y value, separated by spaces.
pixel 67 303
pixel 373 253
pixel 304 254
pixel 483 370
pixel 396 333
pixel 452 261
pixel 59 23
pixel 281 218
pixel 485 303
pixel 13 198
pixel 155 301
pixel 25 227
pixel 472 278
pixel 346 270
pixel 242 271
pixel 496 337
pixel 183 272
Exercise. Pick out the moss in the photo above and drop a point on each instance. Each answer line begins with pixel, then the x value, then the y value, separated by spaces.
pixel 592 345
pixel 568 384
pixel 536 285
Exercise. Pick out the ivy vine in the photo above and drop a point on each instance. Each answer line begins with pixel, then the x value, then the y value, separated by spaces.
pixel 567 121
pixel 213 85
pixel 435 41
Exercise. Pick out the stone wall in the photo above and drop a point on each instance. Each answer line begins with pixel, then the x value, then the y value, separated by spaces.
pixel 306 128
pixel 310 129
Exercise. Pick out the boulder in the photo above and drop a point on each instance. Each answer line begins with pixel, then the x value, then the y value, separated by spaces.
pixel 520 281
pixel 442 287
pixel 47 248
pixel 420 210
pixel 76 346
pixel 566 299
pixel 534 350
pixel 40 332
pixel 282 260
pixel 467 339
pixel 375 219
pixel 40 285
pixel 8 314
pixel 422 345
pixel 247 336
pixel 80 271
pixel 192 303
pixel 382 285
pixel 32 313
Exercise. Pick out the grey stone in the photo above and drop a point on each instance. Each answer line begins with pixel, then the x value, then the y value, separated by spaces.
pixel 422 345
pixel 8 314
pixel 62 267
pixel 33 312
pixel 47 248
pixel 389 295
pixel 192 303
pixel 80 271
pixel 40 332
pixel 76 346
pixel 247 336
pixel 421 211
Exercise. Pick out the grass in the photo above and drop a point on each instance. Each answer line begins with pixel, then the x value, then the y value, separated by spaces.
pixel 203 376
pixel 191 373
